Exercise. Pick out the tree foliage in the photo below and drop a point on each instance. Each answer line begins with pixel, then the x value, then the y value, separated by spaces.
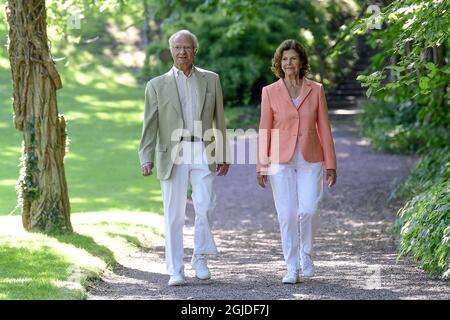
pixel 238 39
pixel 411 70
pixel 409 112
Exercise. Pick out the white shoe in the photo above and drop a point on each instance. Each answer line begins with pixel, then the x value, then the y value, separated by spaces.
pixel 177 280
pixel 198 262
pixel 291 277
pixel 307 266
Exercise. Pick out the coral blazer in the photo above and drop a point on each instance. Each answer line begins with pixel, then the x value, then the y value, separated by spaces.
pixel 283 126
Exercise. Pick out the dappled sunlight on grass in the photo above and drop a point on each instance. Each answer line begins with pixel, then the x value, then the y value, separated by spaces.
pixel 32 273
pixel 4 63
pixel 115 117
pixel 45 263
pixel 103 107
pixel 7 182
pixel 76 116
pixel 38 266
pixel 11 152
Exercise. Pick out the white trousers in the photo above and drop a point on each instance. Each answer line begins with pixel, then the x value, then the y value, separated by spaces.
pixel 174 190
pixel 297 189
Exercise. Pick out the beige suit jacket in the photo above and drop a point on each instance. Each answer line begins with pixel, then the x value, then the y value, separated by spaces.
pixel 163 116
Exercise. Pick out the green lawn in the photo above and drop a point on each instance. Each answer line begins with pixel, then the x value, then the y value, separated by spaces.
pixel 37 266
pixel 120 211
pixel 103 107
pixel 243 117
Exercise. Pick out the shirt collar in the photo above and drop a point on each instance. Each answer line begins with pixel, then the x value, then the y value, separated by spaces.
pixel 178 72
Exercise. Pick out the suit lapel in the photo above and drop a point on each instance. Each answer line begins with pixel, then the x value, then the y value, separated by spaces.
pixel 201 91
pixel 284 93
pixel 173 92
pixel 305 90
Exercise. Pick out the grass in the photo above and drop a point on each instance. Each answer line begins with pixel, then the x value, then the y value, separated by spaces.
pixel 121 210
pixel 242 117
pixel 103 106
pixel 38 266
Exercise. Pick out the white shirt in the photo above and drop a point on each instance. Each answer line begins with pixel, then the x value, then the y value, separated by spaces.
pixel 187 91
pixel 296 101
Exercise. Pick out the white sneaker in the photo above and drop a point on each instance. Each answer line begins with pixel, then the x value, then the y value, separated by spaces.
pixel 198 262
pixel 177 280
pixel 307 266
pixel 291 277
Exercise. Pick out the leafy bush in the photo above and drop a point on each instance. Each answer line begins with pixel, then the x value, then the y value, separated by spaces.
pixel 426 232
pixel 396 127
pixel 241 37
pixel 431 169
pixel 379 123
pixel 243 117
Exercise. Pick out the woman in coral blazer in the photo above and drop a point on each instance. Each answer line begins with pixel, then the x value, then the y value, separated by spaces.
pixel 294 145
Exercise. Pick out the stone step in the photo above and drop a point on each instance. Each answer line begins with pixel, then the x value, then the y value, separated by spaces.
pixel 331 100
pixel 349 86
pixel 343 101
pixel 345 97
pixel 347 91
pixel 348 99
pixel 341 105
pixel 344 112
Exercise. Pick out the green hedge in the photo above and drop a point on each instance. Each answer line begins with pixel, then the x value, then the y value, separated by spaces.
pixel 426 230
pixel 423 225
pixel 396 127
pixel 430 170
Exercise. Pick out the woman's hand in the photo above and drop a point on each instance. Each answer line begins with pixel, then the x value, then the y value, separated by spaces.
pixel 331 177
pixel 262 179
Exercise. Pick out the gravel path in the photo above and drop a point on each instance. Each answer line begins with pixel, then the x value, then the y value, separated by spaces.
pixel 355 256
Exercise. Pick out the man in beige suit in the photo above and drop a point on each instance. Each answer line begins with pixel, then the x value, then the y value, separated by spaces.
pixel 184 125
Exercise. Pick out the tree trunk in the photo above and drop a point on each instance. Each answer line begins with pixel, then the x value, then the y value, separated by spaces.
pixel 42 187
pixel 146 25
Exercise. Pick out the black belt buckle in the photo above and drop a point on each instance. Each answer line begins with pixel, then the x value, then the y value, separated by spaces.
pixel 191 139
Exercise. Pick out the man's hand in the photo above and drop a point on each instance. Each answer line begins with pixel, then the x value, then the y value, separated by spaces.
pixel 146 169
pixel 222 169
pixel 331 177
pixel 262 179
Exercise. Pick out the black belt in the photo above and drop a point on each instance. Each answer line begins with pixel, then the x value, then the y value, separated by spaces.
pixel 191 139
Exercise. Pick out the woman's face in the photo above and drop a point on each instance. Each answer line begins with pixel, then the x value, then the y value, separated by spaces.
pixel 290 63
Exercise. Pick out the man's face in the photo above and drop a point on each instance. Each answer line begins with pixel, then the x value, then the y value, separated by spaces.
pixel 183 51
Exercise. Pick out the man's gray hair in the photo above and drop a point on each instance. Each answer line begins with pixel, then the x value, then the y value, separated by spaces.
pixel 186 32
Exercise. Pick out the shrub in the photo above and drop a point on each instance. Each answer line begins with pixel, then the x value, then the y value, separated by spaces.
pixel 426 231
pixel 432 168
